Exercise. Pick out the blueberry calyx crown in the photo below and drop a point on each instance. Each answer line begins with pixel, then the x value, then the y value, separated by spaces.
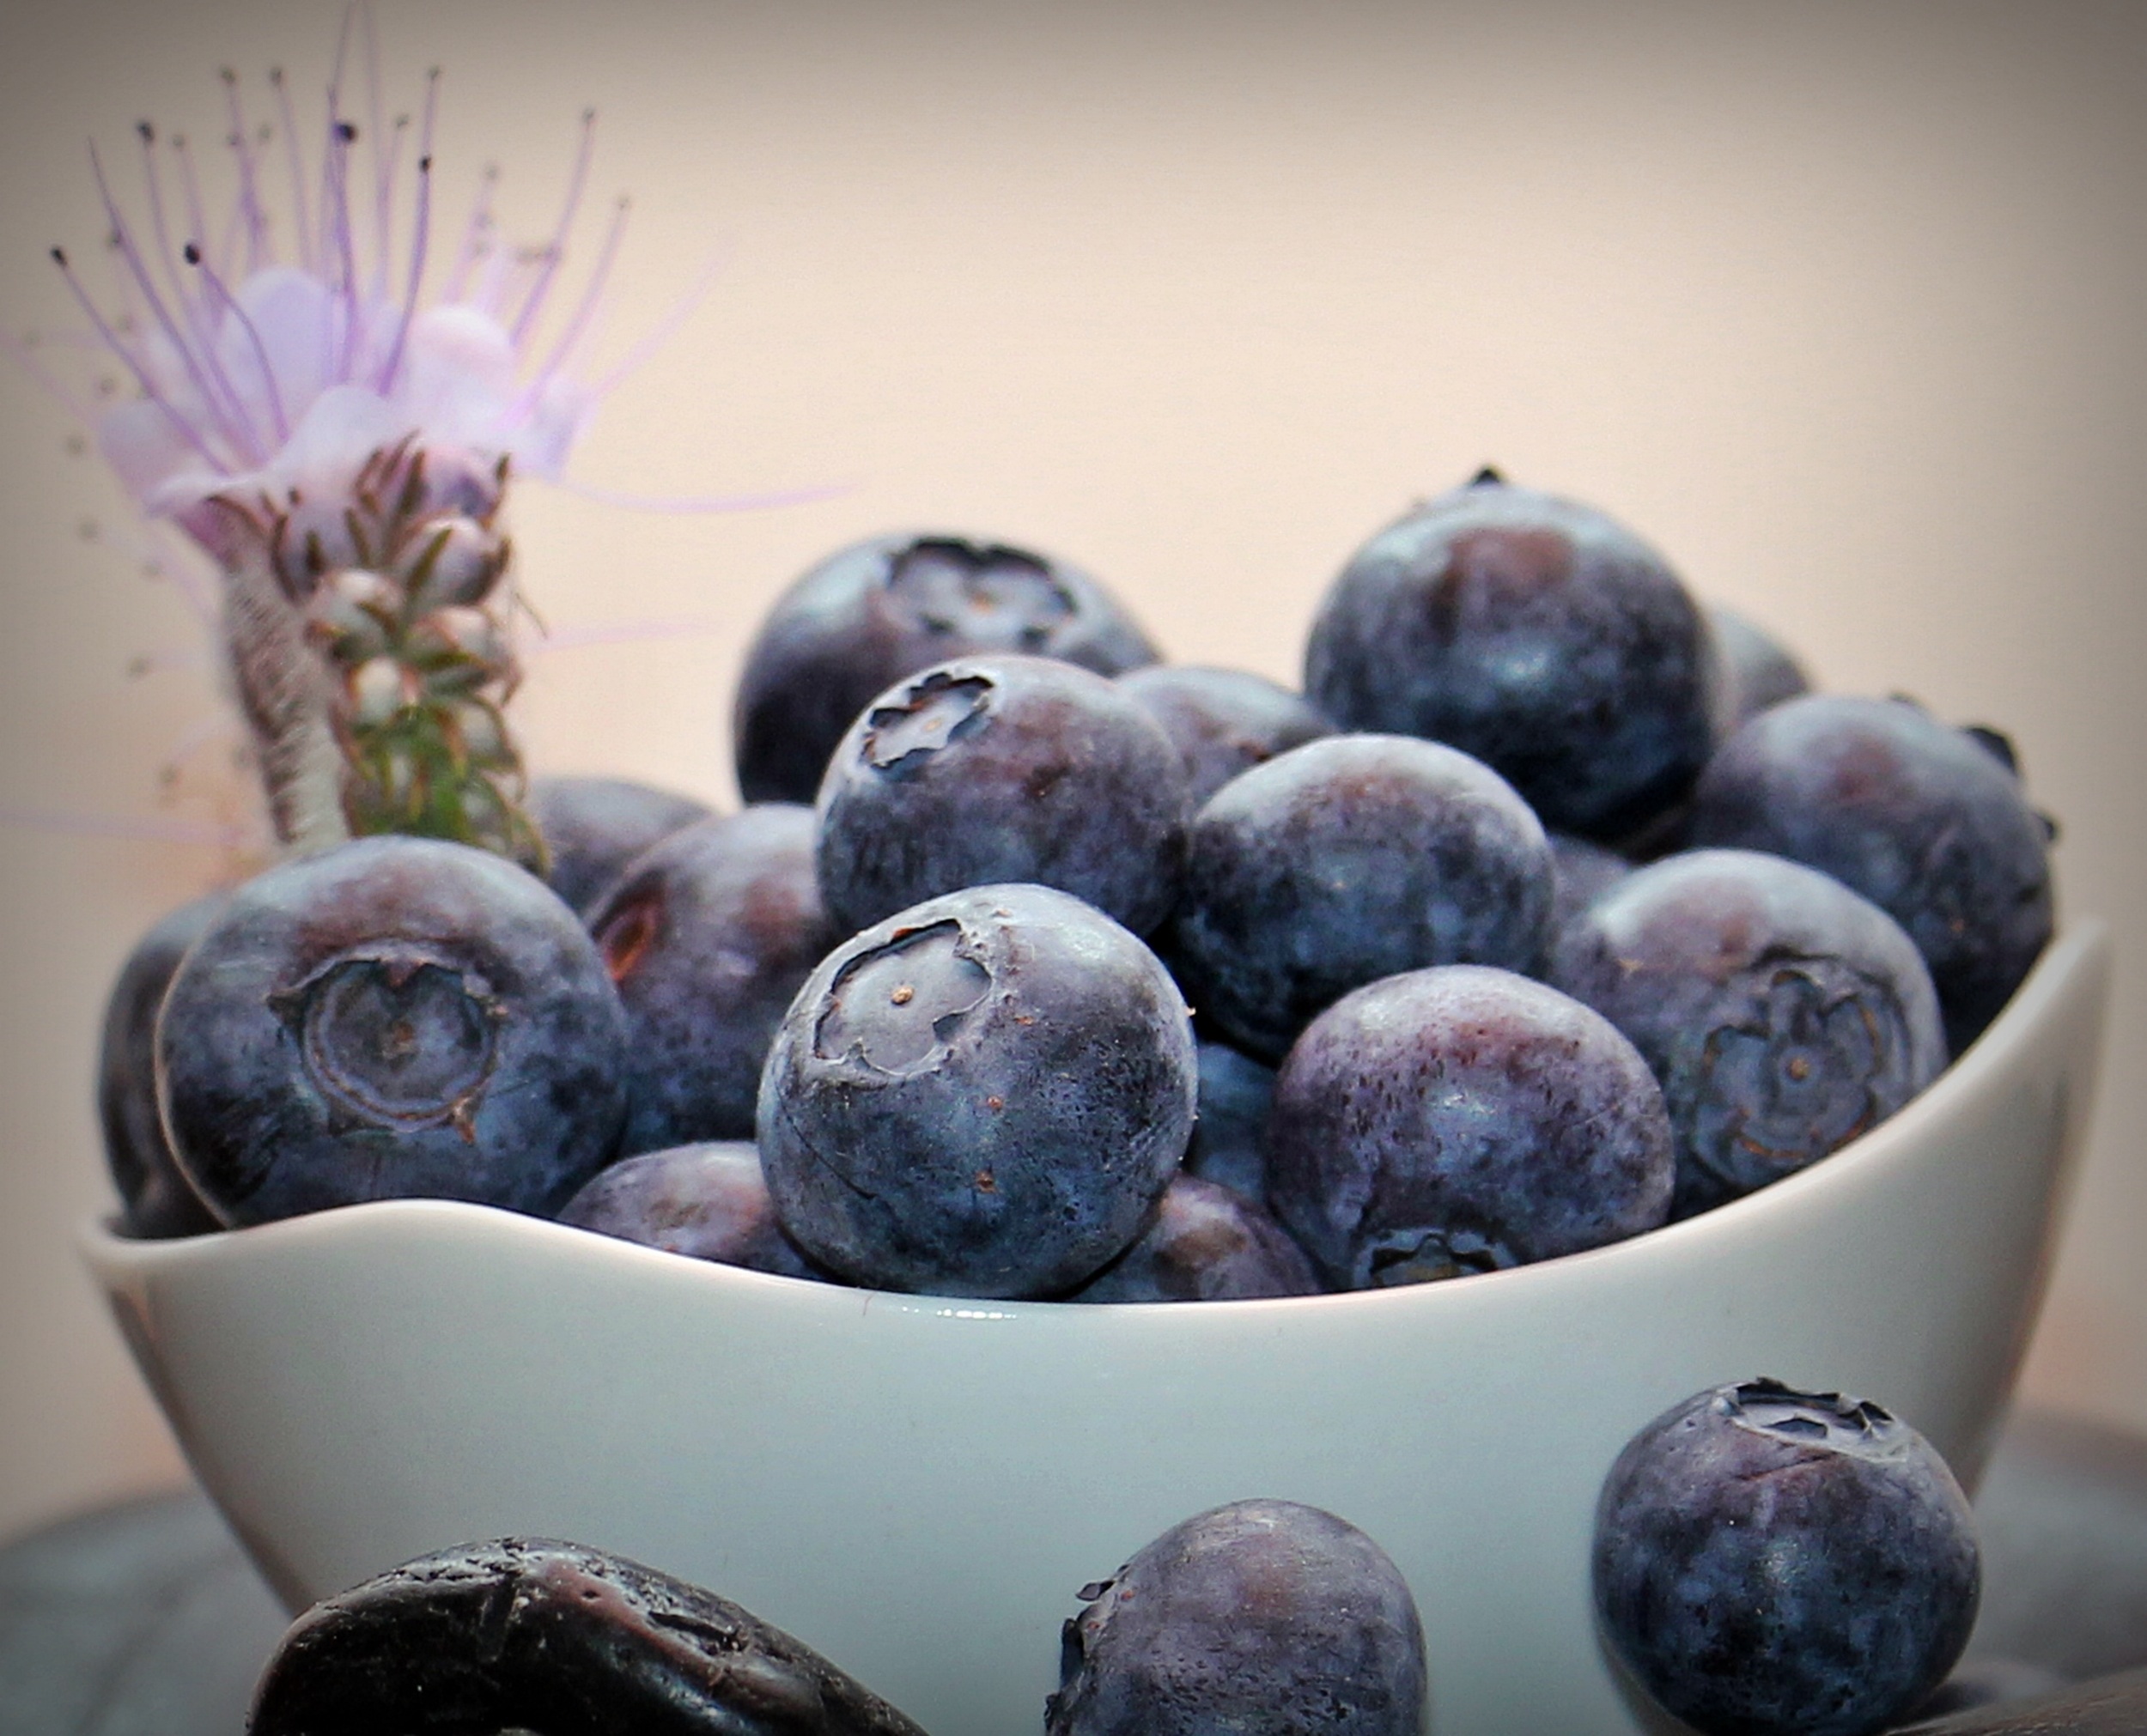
pixel 893 1007
pixel 988 593
pixel 932 713
pixel 1834 1420
pixel 1490 476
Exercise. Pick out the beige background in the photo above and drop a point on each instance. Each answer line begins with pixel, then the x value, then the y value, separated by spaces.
pixel 1839 304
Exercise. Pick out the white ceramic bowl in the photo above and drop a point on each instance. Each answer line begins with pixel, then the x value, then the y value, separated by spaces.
pixel 917 1486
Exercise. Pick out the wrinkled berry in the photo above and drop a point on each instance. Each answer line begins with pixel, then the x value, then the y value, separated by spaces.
pixel 1772 1563
pixel 1262 1617
pixel 984 1096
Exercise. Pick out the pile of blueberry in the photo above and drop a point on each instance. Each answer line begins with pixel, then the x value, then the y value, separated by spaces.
pixel 1767 1563
pixel 1553 909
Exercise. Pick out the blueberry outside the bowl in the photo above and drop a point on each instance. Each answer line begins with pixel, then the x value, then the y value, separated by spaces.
pixel 1463 1120
pixel 993 770
pixel 1262 1616
pixel 394 1017
pixel 1783 1014
pixel 1537 634
pixel 984 1096
pixel 880 610
pixel 1223 721
pixel 1773 1562
pixel 593 827
pixel 1353 858
pixel 530 1634
pixel 155 1199
pixel 707 1201
pixel 1921 818
pixel 1205 1243
pixel 706 935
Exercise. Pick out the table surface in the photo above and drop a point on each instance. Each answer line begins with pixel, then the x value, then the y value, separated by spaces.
pixel 144 1619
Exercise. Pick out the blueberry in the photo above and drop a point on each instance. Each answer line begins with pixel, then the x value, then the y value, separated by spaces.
pixel 1260 1616
pixel 1230 1137
pixel 533 1634
pixel 395 1016
pixel 878 611
pixel 1921 818
pixel 1537 634
pixel 984 1096
pixel 1772 1563
pixel 1782 1014
pixel 1463 1120
pixel 155 1199
pixel 1223 721
pixel 1585 872
pixel 1205 1243
pixel 1758 669
pixel 708 935
pixel 593 827
pixel 707 1201
pixel 1345 860
pixel 990 770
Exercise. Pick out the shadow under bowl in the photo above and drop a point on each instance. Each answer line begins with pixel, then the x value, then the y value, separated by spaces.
pixel 916 1485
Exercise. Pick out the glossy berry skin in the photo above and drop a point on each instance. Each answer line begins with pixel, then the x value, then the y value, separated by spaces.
pixel 1538 634
pixel 593 827
pixel 707 937
pixel 1224 721
pixel 1757 671
pixel 1463 1120
pixel 984 1096
pixel 1348 859
pixel 1923 819
pixel 1783 1014
pixel 531 1634
pixel 881 609
pixel 707 1201
pixel 1771 1562
pixel 1263 1617
pixel 1229 1142
pixel 156 1200
pixel 394 1017
pixel 990 770
pixel 1205 1243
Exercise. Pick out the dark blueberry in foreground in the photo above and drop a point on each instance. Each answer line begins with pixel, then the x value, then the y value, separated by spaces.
pixel 530 1634
pixel 1345 860
pixel 1758 669
pixel 1224 721
pixel 1262 1617
pixel 1230 1137
pixel 1540 636
pixel 991 770
pixel 1771 1563
pixel 984 1096
pixel 394 1017
pixel 874 613
pixel 1463 1120
pixel 1205 1243
pixel 708 1202
pixel 593 827
pixel 1783 1014
pixel 708 935
pixel 1920 817
pixel 156 1200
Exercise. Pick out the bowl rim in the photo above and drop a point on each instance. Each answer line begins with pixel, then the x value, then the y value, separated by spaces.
pixel 2082 947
